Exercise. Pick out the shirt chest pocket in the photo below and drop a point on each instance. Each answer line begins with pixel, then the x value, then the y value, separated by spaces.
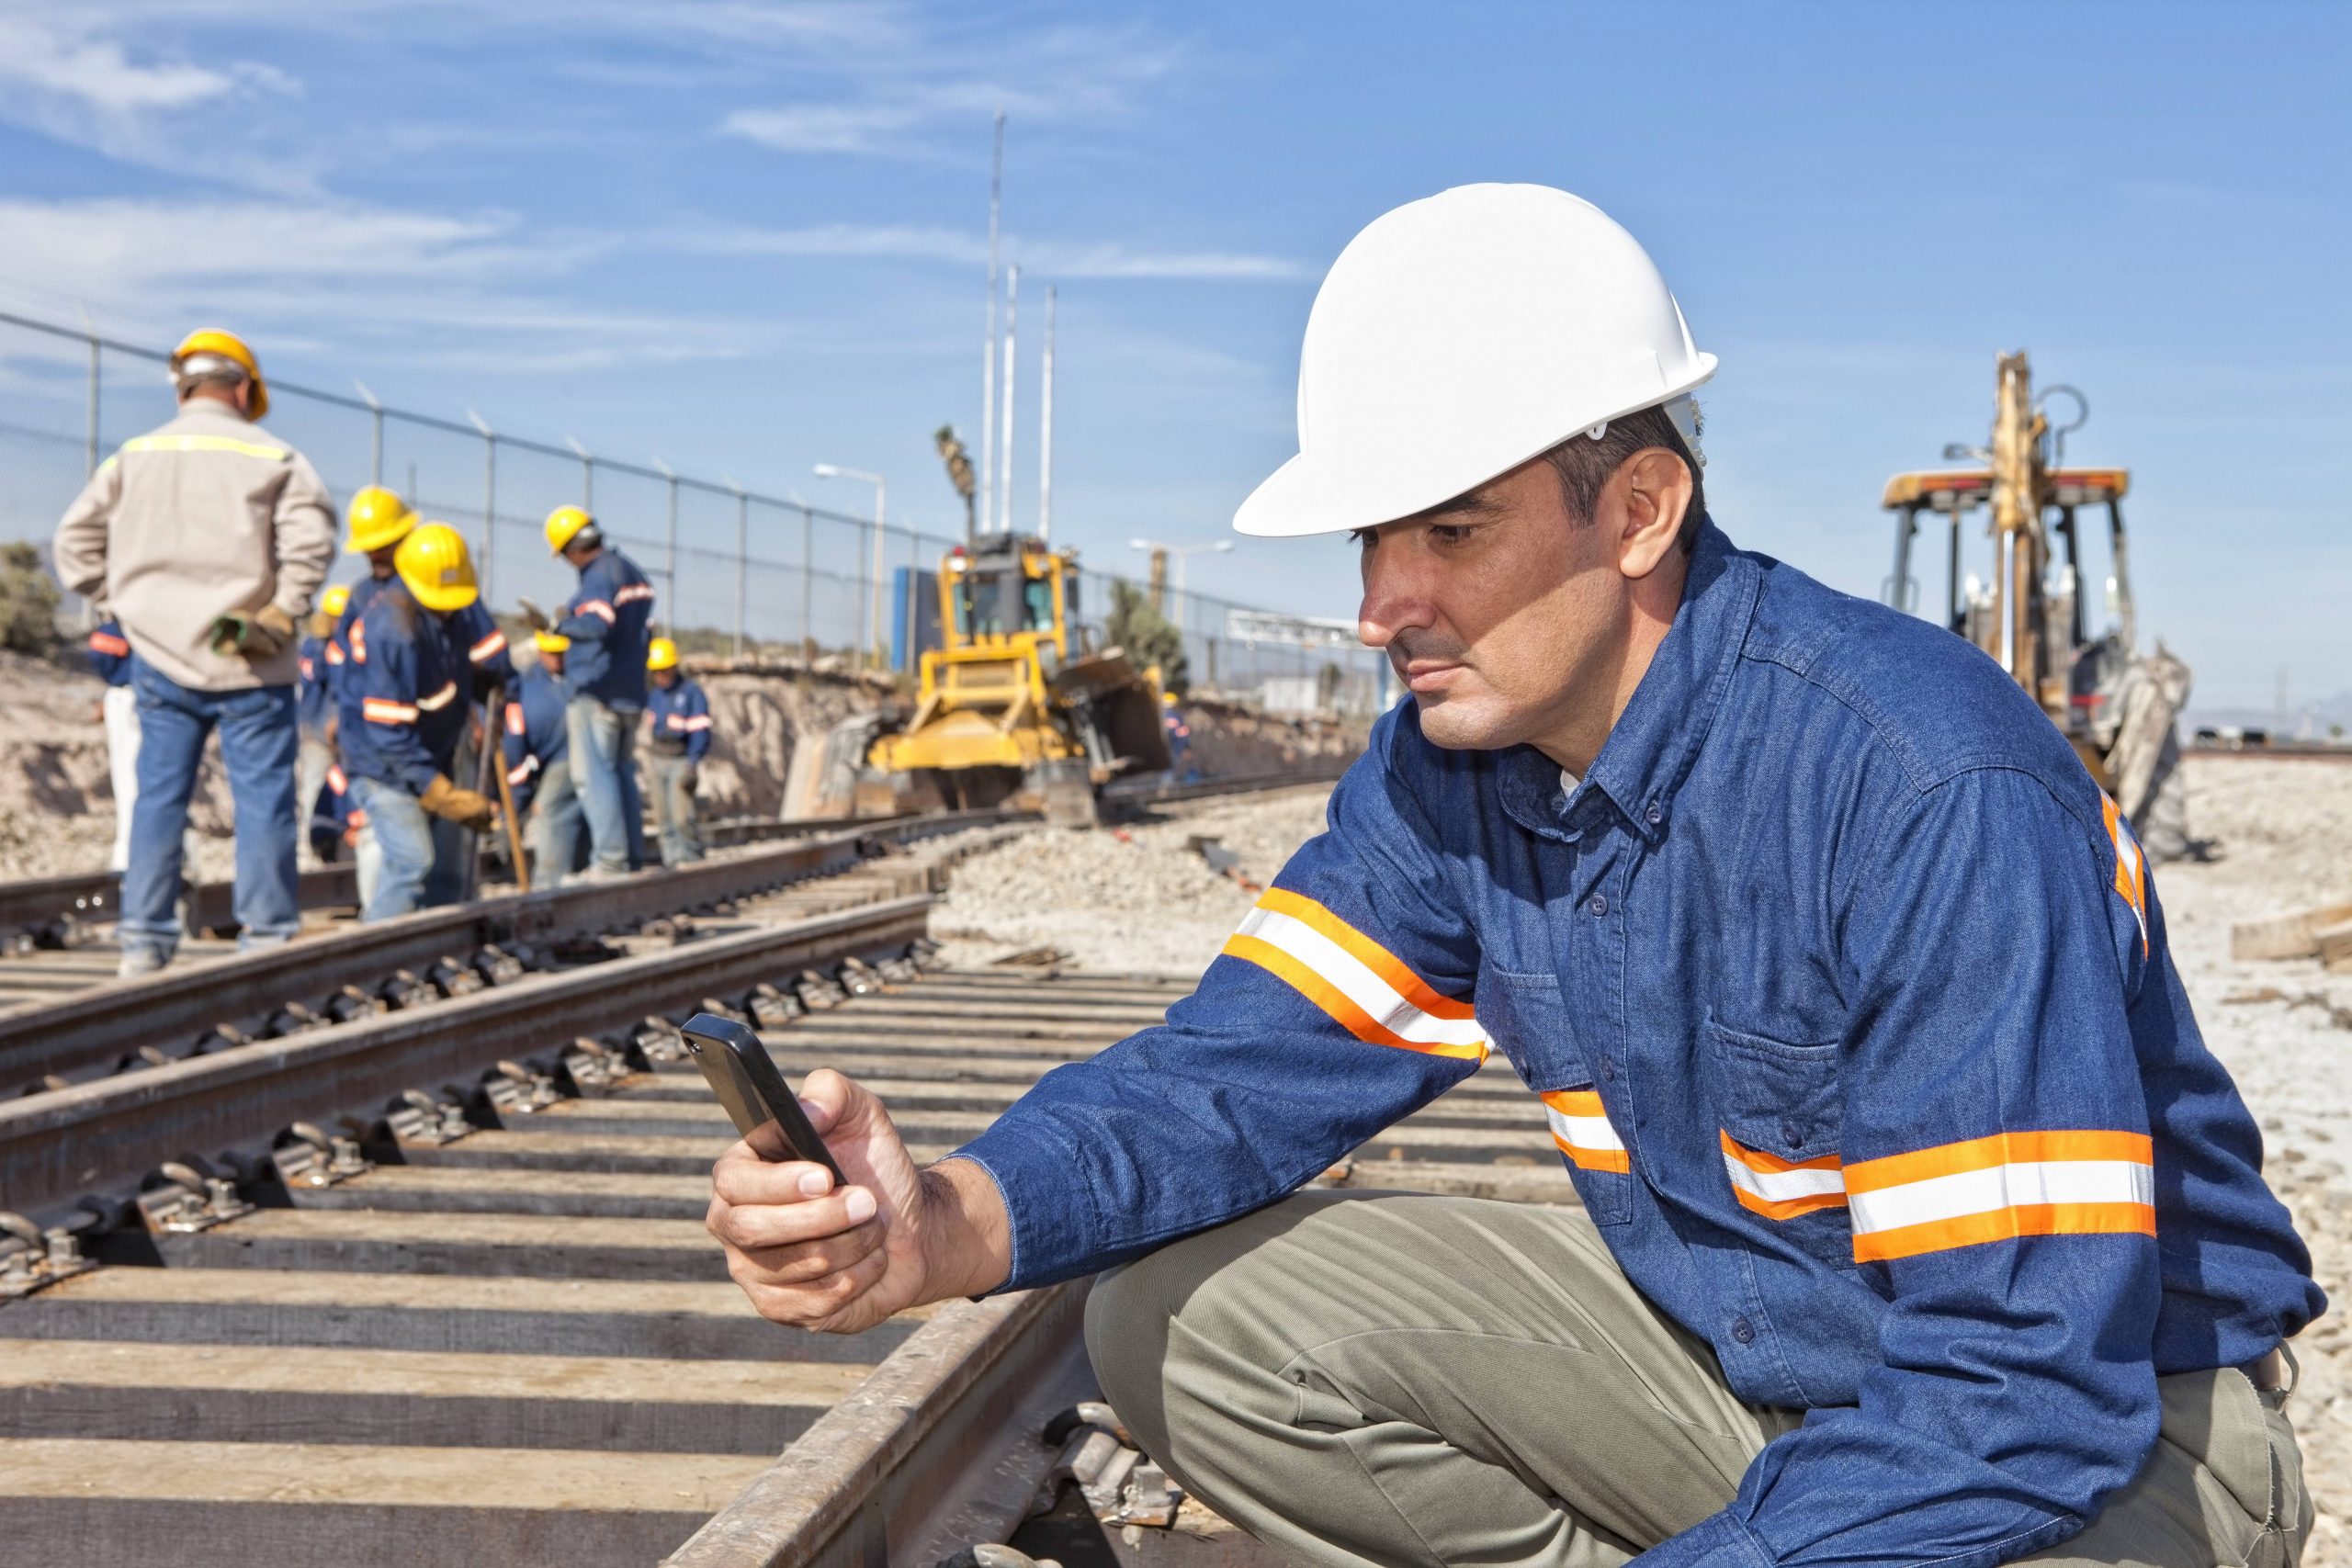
pixel 1780 1109
pixel 1525 1018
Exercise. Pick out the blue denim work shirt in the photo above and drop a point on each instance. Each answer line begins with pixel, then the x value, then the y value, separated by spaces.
pixel 1846 996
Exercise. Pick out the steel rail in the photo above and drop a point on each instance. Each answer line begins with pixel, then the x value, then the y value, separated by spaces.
pixel 170 1010
pixel 57 1147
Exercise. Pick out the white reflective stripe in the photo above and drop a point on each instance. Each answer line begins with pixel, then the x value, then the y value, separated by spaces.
pixel 382 710
pixel 1785 1186
pixel 440 699
pixel 597 607
pixel 204 444
pixel 633 592
pixel 492 644
pixel 522 770
pixel 700 721
pixel 2003 1186
pixel 1345 973
pixel 1584 1132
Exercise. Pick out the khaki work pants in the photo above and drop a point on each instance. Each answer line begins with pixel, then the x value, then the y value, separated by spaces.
pixel 1395 1378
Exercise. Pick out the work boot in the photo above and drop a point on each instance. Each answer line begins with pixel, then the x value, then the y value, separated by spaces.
pixel 138 960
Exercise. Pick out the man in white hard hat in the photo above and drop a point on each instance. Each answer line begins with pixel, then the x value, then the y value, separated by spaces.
pixel 209 538
pixel 1842 987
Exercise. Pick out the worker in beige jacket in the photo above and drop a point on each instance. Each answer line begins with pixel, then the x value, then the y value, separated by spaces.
pixel 207 539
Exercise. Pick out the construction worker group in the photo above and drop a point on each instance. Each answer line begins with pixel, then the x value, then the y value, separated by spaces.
pixel 357 717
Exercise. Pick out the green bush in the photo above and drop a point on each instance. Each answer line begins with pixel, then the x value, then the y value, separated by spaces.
pixel 1145 632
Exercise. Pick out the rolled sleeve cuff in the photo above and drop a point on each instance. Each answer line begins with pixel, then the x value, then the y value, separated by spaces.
pixel 1049 1212
pixel 1717 1540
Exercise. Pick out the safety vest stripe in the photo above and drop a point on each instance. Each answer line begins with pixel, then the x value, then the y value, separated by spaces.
pixel 107 642
pixel 1780 1189
pixel 1997 1189
pixel 360 642
pixel 1397 976
pixel 495 643
pixel 383 710
pixel 1336 1003
pixel 335 654
pixel 1581 1132
pixel 440 699
pixel 204 444
pixel 633 592
pixel 597 607
pixel 522 770
pixel 335 779
pixel 2131 866
pixel 698 721
pixel 514 719
pixel 1365 974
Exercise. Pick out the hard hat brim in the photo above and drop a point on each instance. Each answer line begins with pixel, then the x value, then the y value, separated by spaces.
pixel 1303 497
pixel 443 600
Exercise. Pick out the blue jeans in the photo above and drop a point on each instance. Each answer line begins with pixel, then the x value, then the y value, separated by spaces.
pixel 257 745
pixel 559 828
pixel 673 808
pixel 602 749
pixel 423 857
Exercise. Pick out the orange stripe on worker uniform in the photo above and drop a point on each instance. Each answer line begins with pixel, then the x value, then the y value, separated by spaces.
pixel 514 719
pixel 1581 1132
pixel 440 699
pixel 383 710
pixel 495 643
pixel 633 592
pixel 1360 984
pixel 522 770
pixel 107 642
pixel 2131 866
pixel 597 608
pixel 2009 1185
pixel 1781 1188
pixel 360 642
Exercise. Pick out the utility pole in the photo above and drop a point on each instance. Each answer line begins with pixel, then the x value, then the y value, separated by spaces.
pixel 1004 467
pixel 988 344
pixel 1045 431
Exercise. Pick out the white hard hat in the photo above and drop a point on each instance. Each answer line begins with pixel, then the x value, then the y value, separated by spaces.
pixel 1459 336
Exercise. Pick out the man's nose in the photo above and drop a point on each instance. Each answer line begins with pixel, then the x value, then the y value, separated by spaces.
pixel 1396 599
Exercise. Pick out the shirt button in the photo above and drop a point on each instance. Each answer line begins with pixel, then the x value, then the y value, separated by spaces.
pixel 1600 904
pixel 1656 814
pixel 1609 1070
pixel 1743 1330
pixel 1792 1133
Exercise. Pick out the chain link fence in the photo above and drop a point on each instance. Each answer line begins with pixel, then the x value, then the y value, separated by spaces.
pixel 738 571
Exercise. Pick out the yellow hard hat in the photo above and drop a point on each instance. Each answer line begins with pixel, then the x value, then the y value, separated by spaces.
pixel 227 346
pixel 434 562
pixel 333 602
pixel 550 642
pixel 660 654
pixel 564 524
pixel 378 517
pixel 1168 699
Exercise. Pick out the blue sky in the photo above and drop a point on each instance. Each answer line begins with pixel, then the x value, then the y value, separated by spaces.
pixel 747 238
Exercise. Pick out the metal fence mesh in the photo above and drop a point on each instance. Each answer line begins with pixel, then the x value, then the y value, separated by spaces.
pixel 736 569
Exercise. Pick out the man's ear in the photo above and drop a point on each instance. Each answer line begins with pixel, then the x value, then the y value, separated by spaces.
pixel 1655 487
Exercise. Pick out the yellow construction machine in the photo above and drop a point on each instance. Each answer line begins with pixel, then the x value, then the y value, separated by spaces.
pixel 1015 702
pixel 2032 612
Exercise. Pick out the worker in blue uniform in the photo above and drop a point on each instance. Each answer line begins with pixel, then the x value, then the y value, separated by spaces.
pixel 314 708
pixel 680 738
pixel 607 621
pixel 380 520
pixel 538 765
pixel 404 710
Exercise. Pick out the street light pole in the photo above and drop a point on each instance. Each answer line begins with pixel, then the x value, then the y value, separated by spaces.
pixel 1178 553
pixel 869 602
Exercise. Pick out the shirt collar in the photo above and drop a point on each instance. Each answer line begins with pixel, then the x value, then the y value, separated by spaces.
pixel 1650 748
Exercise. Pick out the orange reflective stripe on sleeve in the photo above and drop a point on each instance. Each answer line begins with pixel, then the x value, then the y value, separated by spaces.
pixel 514 719
pixel 2001 1188
pixel 440 699
pixel 107 642
pixel 489 646
pixel 1360 984
pixel 1580 1129
pixel 383 710
pixel 2131 866
pixel 597 608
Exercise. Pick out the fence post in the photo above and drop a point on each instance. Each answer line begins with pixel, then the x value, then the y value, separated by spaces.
pixel 670 555
pixel 743 558
pixel 93 452
pixel 489 497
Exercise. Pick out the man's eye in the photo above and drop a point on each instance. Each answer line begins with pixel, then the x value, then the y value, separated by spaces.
pixel 1359 538
pixel 1450 533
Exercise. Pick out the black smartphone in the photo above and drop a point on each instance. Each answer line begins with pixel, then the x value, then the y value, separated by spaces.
pixel 744 1078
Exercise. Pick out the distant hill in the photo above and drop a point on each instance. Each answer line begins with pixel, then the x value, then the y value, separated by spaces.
pixel 2331 711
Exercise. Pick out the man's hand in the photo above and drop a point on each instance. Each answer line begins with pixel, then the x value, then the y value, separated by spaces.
pixel 466 807
pixel 842 1259
pixel 256 634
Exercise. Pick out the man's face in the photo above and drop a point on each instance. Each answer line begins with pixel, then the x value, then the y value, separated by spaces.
pixel 379 561
pixel 554 661
pixel 1501 616
pixel 665 678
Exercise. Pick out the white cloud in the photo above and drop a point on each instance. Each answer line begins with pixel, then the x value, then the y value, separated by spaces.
pixel 1048 259
pixel 822 128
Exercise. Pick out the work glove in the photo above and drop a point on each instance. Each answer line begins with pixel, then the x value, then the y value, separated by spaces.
pixel 466 807
pixel 535 617
pixel 253 634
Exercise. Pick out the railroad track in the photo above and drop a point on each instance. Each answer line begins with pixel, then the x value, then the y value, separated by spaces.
pixel 428 1284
